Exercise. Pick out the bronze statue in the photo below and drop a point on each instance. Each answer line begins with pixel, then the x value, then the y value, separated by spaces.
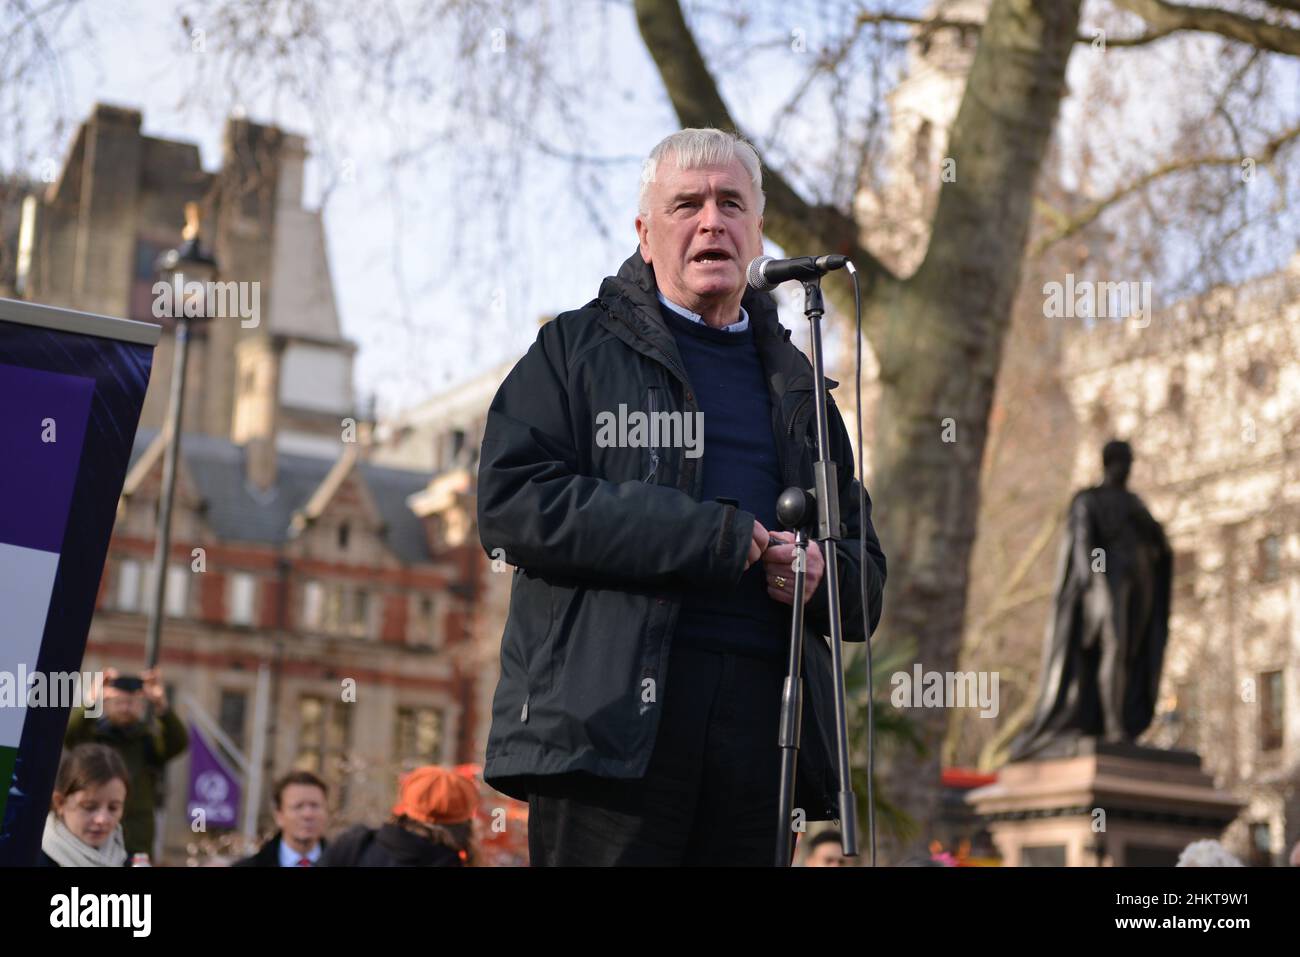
pixel 1106 642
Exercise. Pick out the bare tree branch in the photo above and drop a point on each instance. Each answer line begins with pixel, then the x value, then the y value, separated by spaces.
pixel 1071 225
pixel 788 218
pixel 1151 36
pixel 930 24
pixel 1169 17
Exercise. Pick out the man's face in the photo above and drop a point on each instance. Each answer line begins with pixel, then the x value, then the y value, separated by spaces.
pixel 827 854
pixel 689 212
pixel 123 707
pixel 301 814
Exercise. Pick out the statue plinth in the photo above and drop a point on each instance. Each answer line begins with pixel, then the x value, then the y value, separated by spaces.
pixel 1085 802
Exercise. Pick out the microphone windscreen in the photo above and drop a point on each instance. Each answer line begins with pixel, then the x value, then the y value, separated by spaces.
pixel 754 274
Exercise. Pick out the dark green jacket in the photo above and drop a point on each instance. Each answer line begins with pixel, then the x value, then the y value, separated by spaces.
pixel 145 748
pixel 606 540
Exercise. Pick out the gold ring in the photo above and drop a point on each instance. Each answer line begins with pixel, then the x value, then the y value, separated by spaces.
pixel 780 582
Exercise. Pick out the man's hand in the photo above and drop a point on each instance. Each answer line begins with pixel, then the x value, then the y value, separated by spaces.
pixel 102 686
pixel 154 691
pixel 777 562
pixel 757 544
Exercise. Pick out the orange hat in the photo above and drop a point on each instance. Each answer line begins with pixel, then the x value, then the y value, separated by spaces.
pixel 436 795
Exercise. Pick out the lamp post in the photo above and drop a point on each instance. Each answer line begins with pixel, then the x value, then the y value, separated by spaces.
pixel 189 268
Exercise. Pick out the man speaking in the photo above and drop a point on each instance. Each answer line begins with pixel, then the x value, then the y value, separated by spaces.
pixel 642 662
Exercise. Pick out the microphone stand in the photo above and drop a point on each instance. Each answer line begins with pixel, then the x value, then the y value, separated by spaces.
pixel 805 511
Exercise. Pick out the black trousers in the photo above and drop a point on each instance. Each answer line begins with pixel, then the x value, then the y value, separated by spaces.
pixel 710 793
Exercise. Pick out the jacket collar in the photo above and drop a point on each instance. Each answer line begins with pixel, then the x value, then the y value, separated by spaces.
pixel 631 296
pixel 269 853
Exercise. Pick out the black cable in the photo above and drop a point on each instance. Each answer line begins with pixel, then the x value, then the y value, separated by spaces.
pixel 862 567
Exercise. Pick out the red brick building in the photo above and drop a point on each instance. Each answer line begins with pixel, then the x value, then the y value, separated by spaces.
pixel 362 618
pixel 324 611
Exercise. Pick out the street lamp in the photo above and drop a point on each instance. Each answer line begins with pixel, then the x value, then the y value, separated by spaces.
pixel 190 270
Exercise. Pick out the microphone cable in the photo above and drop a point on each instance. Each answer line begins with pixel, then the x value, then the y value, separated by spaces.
pixel 862 565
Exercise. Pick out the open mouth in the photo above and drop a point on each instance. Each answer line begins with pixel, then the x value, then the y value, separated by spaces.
pixel 711 255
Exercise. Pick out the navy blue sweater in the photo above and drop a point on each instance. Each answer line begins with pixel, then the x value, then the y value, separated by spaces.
pixel 739 462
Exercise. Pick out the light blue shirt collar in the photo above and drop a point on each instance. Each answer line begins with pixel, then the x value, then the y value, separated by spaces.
pixel 289 857
pixel 685 313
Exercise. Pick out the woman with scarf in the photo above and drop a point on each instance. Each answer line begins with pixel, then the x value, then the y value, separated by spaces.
pixel 84 826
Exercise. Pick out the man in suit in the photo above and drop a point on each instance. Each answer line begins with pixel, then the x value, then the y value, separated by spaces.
pixel 301 814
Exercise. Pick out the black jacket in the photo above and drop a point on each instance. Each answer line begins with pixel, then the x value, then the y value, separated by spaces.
pixel 390 845
pixel 268 855
pixel 606 540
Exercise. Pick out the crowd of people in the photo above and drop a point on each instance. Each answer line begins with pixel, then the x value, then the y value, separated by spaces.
pixel 110 782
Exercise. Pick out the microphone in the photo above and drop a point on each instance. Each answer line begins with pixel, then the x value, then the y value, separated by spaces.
pixel 766 273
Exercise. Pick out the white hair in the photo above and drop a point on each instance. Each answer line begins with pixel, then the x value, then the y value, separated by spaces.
pixel 696 148
pixel 1207 854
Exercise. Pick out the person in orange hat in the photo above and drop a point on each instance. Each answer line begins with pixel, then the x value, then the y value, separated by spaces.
pixel 431 826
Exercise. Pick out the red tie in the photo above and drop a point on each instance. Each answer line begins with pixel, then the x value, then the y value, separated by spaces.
pixel 303 862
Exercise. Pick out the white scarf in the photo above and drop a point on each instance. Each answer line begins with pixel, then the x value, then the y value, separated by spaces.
pixel 68 850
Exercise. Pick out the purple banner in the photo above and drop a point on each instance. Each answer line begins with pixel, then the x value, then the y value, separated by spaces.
pixel 71 388
pixel 214 788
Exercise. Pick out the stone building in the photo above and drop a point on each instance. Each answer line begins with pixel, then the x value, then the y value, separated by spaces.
pixel 442 436
pixel 362 616
pixel 91 238
pixel 1209 397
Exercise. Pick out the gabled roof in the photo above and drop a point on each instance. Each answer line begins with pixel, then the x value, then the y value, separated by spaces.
pixel 238 511
pixel 320 499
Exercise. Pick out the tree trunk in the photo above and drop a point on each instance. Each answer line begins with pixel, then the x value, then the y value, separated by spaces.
pixel 941 347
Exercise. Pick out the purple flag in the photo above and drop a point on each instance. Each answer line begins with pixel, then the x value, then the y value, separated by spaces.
pixel 213 786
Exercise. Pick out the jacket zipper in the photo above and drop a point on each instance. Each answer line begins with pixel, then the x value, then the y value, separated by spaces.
pixel 668 363
pixel 795 418
pixel 654 450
